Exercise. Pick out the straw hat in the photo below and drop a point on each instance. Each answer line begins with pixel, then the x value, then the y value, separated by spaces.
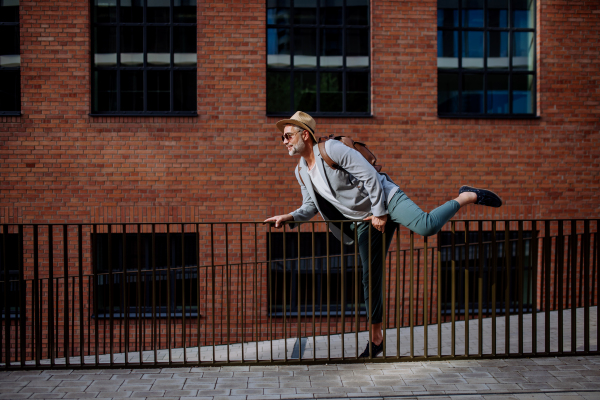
pixel 301 119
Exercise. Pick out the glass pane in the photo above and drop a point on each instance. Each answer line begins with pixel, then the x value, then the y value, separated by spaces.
pixel 105 11
pixel 497 94
pixel 447 93
pixel 332 89
pixel 184 11
pixel 132 90
pixel 357 48
pixel 497 13
pixel 472 93
pixel 184 90
pixel 447 49
pixel 472 51
pixel 278 11
pixel 305 47
pixel 331 48
pixel 278 92
pixel 331 12
pixel 158 45
pixel 448 13
pixel 9 40
pixel 105 46
pixel 132 45
pixel 132 11
pixel 9 11
pixel 523 50
pixel 105 91
pixel 357 92
pixel 522 94
pixel 10 94
pixel 184 41
pixel 497 50
pixel 157 11
pixel 357 12
pixel 305 11
pixel 305 91
pixel 278 47
pixel 472 13
pixel 159 88
pixel 522 13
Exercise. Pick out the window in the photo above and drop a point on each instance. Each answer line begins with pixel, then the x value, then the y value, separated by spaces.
pixel 486 58
pixel 318 57
pixel 144 57
pixel 183 282
pixel 277 277
pixel 460 258
pixel 10 59
pixel 12 262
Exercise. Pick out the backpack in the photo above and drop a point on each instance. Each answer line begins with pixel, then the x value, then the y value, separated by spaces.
pixel 358 146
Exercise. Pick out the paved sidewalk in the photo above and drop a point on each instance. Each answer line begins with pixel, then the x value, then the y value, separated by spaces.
pixel 538 378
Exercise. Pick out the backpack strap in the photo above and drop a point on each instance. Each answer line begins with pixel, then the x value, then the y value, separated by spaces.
pixel 299 174
pixel 324 154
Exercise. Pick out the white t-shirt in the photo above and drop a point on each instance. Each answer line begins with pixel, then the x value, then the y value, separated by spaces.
pixel 323 188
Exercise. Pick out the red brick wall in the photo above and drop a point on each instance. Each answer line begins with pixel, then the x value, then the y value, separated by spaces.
pixel 59 164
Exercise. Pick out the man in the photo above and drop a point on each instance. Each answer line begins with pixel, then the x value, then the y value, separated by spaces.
pixel 357 191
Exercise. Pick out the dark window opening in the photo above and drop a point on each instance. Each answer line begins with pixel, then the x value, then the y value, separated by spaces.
pixel 144 57
pixel 138 267
pixel 318 57
pixel 308 284
pixel 471 255
pixel 10 58
pixel 486 58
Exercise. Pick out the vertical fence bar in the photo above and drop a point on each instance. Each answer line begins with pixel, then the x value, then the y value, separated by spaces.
pixel 110 295
pixel 270 293
pixel 227 304
pixel 383 294
pixel 356 312
pixel 285 295
pixel 7 360
pixel 298 292
pixel 597 267
pixel 22 307
pixel 66 295
pixel 586 287
pixel 398 293
pixel 343 287
pixel 212 264
pixel 574 241
pixel 534 267
pixel 547 284
pixel 95 294
pixel 507 305
pixel 255 290
pixel 520 258
pixel 154 331
pixel 494 285
pixel 370 312
pixel 453 289
pixel 560 250
pixel 51 353
pixel 183 311
pixel 467 285
pixel 425 302
pixel 439 294
pixel 169 294
pixel 197 236
pixel 36 299
pixel 125 301
pixel 314 332
pixel 80 260
pixel 139 292
pixel 411 313
pixel 329 293
pixel 480 291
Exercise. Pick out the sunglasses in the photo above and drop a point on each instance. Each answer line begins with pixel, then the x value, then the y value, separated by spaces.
pixel 288 136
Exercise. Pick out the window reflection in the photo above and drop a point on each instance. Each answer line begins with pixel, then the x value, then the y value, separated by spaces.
pixel 447 49
pixel 472 49
pixel 278 47
pixel 497 94
pixel 522 94
pixel 523 50
pixel 448 13
pixel 497 56
pixel 472 13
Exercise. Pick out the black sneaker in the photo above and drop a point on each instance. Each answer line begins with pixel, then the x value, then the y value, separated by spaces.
pixel 484 197
pixel 377 350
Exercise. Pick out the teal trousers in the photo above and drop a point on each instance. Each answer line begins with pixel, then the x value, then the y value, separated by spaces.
pixel 402 211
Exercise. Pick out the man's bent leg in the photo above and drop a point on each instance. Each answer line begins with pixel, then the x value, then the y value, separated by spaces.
pixel 405 212
pixel 377 269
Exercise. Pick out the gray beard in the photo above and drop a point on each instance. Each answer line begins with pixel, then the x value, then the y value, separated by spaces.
pixel 298 148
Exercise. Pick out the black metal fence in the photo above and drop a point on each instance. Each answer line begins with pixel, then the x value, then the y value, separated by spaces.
pixel 98 295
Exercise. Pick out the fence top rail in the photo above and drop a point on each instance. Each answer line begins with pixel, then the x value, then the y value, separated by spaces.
pixel 284 223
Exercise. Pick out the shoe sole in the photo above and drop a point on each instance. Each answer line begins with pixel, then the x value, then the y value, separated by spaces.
pixel 495 194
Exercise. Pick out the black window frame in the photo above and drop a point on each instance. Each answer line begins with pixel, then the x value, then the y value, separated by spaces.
pixel 16 24
pixel 275 275
pixel 153 273
pixel 145 68
pixel 319 26
pixel 485 71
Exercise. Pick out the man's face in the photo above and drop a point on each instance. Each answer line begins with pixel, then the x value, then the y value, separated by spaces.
pixel 295 145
